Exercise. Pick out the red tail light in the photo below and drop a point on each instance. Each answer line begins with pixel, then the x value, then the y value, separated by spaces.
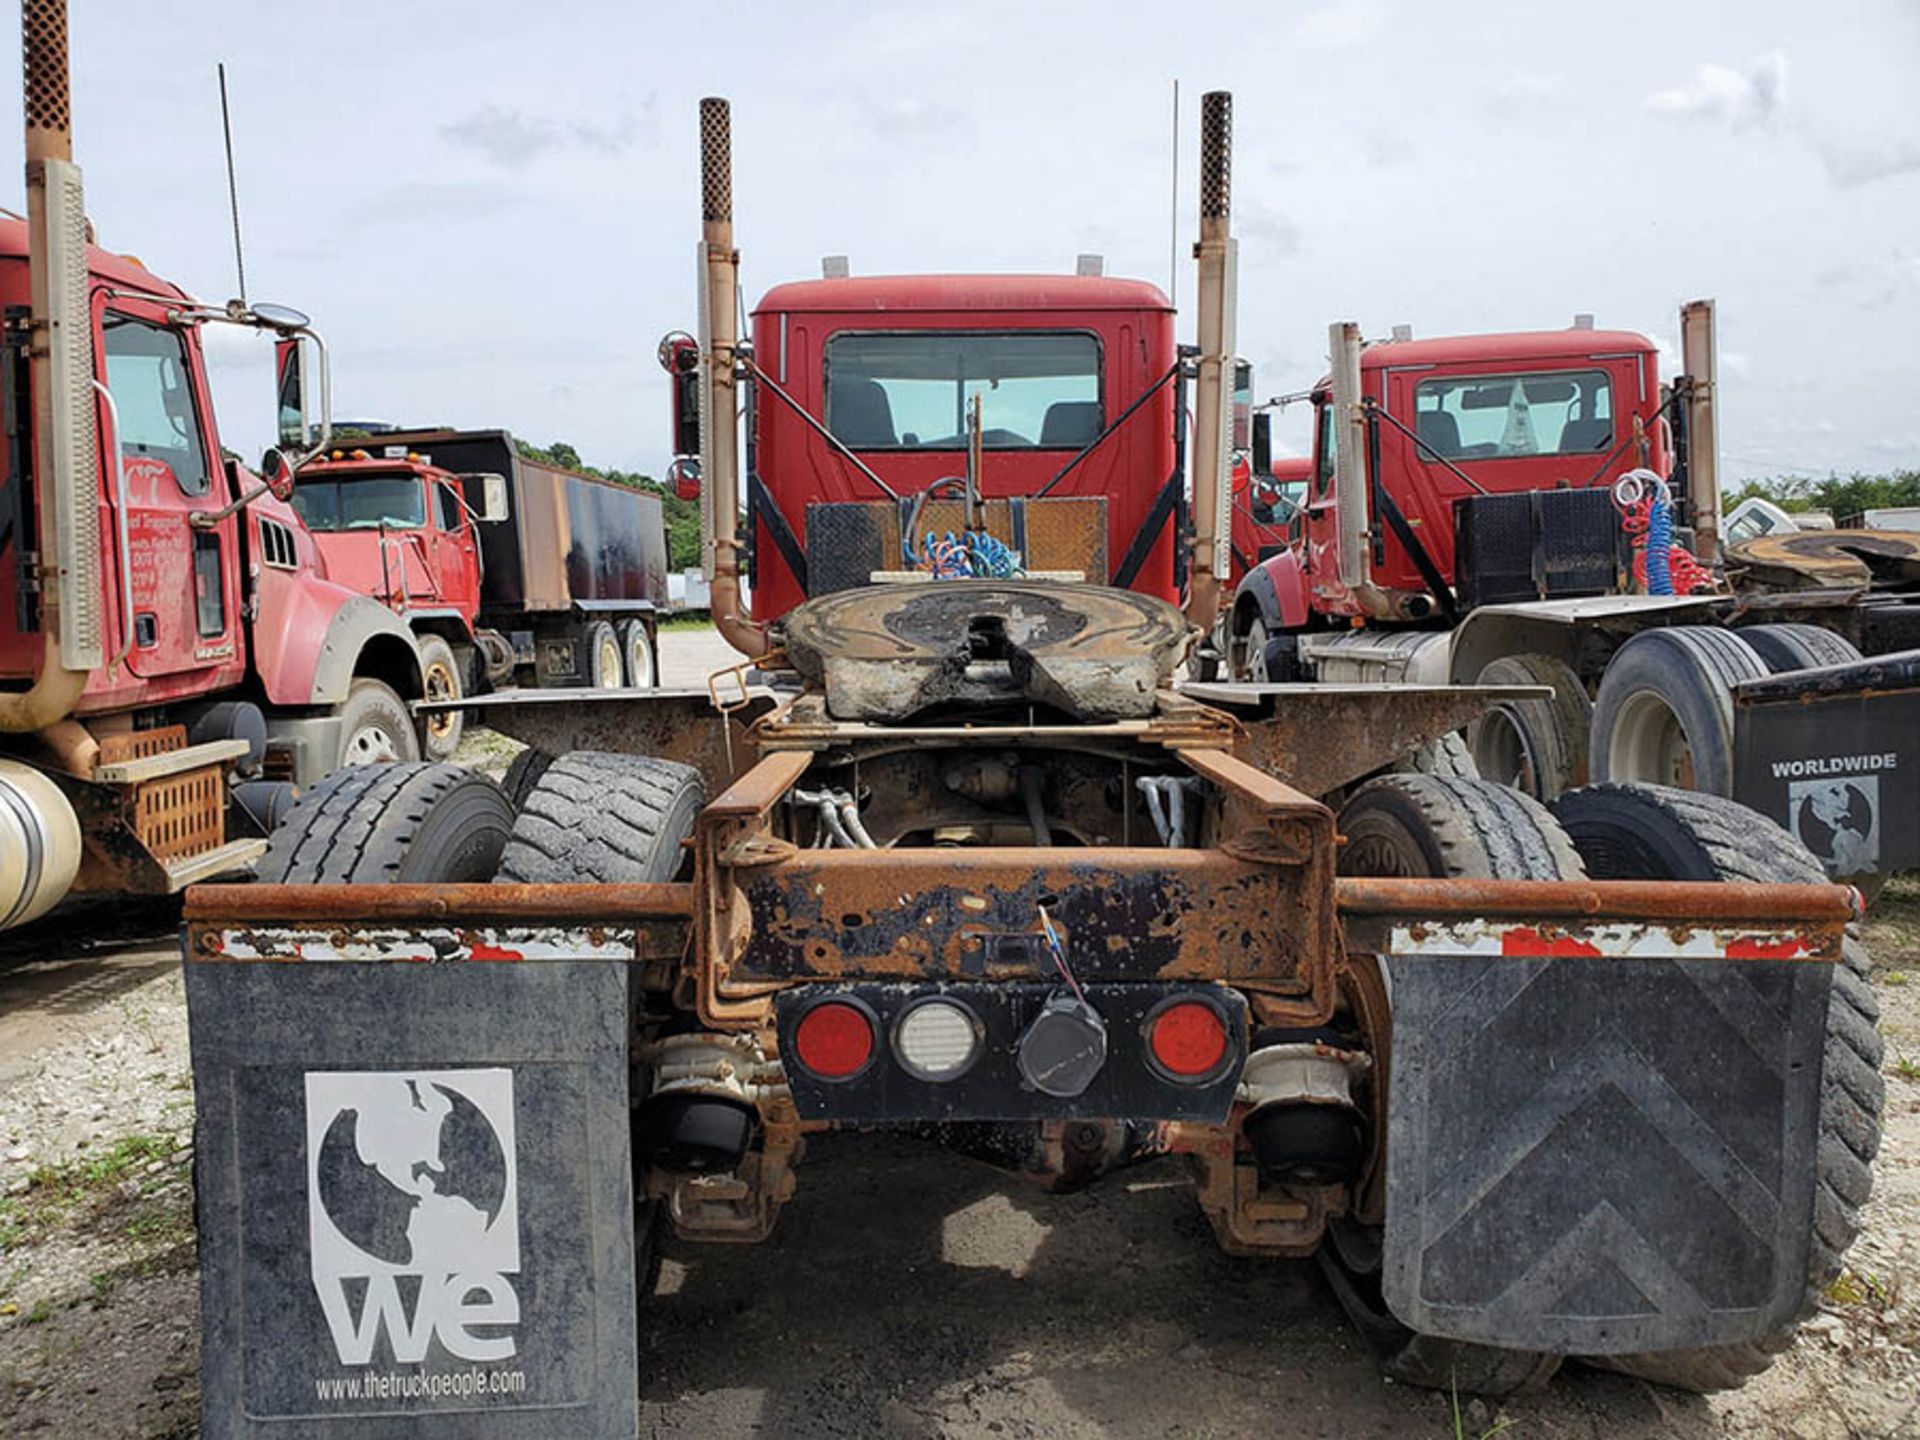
pixel 834 1040
pixel 1188 1040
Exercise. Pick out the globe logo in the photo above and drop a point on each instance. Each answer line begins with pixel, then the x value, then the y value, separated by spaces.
pixel 413 1174
pixel 1838 819
pixel 420 1174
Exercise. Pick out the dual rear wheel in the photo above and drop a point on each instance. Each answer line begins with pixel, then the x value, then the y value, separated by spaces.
pixel 1431 826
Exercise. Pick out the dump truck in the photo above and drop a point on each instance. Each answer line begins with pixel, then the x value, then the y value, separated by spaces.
pixel 507 570
pixel 173 656
pixel 1482 508
pixel 1593 1082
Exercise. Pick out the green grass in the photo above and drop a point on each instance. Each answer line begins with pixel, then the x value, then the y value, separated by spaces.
pixel 55 1193
pixel 687 620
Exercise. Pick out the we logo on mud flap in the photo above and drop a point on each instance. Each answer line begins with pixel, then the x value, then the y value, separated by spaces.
pixel 413 1211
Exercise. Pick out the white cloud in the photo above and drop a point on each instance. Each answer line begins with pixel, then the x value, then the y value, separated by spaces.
pixel 513 141
pixel 1751 98
pixel 1861 162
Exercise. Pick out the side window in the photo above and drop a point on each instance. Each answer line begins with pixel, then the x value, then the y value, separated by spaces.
pixel 153 395
pixel 1324 451
pixel 449 506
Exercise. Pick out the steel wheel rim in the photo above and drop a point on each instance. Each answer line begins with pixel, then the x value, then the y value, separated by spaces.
pixel 609 663
pixel 371 745
pixel 441 685
pixel 1501 752
pixel 640 661
pixel 1649 743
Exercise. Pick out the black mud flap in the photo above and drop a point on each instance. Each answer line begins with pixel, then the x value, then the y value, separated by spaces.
pixel 1595 1156
pixel 414 1198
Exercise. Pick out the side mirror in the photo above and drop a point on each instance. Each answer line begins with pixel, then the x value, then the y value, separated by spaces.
pixel 278 474
pixel 290 370
pixel 683 475
pixel 680 358
pixel 1263 443
pixel 493 497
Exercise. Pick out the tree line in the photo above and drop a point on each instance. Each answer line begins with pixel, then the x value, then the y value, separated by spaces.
pixel 1839 497
pixel 682 516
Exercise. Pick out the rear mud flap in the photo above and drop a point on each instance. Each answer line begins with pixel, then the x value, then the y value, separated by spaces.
pixel 1597 1156
pixel 414 1197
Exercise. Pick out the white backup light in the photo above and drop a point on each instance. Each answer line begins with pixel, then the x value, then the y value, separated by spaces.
pixel 937 1040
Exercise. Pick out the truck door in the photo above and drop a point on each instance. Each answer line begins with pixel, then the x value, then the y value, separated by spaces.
pixel 185 579
pixel 457 561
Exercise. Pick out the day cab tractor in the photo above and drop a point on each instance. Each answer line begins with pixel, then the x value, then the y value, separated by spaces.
pixel 174 657
pixel 1540 509
pixel 1596 1081
pixel 508 571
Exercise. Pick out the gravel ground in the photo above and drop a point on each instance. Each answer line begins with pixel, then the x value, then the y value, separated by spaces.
pixel 906 1292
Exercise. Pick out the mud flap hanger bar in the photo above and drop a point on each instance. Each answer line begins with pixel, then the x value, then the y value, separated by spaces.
pixel 1612 919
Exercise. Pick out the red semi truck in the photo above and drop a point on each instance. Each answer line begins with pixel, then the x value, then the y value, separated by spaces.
pixel 506 570
pixel 1461 524
pixel 167 631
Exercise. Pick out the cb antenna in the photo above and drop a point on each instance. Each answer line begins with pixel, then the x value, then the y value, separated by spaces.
pixel 233 190
pixel 1173 217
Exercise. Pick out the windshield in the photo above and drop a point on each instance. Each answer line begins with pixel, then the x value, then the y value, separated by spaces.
pixel 1475 417
pixel 362 503
pixel 911 391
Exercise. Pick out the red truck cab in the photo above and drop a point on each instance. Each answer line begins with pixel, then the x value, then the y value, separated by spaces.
pixel 398 529
pixel 888 366
pixel 1459 417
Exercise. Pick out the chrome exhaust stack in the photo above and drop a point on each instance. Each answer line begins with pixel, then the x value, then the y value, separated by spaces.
pixel 1699 360
pixel 1216 253
pixel 719 390
pixel 67 466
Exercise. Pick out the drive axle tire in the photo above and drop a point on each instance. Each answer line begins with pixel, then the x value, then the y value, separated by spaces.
pixel 1431 826
pixel 1664 713
pixel 639 656
pixel 523 773
pixel 406 823
pixel 1536 746
pixel 611 818
pixel 1783 648
pixel 1644 832
pixel 601 656
pixel 1448 757
pixel 375 728
pixel 441 674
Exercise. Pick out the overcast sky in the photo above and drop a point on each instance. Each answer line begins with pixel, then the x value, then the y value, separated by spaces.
pixel 490 208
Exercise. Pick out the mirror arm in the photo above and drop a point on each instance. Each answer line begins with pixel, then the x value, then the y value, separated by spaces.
pixel 207 519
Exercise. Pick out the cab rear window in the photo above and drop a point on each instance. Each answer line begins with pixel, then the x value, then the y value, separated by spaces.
pixel 1488 417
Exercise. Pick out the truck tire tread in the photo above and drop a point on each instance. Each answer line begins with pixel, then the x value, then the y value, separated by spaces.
pixel 366 823
pixel 1788 646
pixel 595 816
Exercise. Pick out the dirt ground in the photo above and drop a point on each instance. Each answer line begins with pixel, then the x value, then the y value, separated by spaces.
pixel 906 1292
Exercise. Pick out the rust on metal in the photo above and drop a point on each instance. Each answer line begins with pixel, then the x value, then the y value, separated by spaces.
pixel 465 904
pixel 1602 920
pixel 976 914
pixel 1360 896
pixel 1321 737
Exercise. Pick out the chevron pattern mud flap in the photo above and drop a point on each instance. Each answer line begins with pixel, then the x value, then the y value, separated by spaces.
pixel 1595 1155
